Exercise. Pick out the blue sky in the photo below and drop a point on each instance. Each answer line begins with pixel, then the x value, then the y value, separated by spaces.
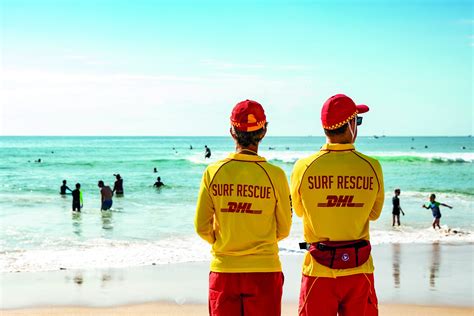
pixel 178 67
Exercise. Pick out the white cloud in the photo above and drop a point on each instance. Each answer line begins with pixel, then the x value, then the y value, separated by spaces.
pixel 40 76
pixel 39 101
pixel 76 57
pixel 86 60
pixel 222 65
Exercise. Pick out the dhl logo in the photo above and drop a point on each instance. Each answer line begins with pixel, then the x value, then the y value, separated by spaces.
pixel 340 201
pixel 240 207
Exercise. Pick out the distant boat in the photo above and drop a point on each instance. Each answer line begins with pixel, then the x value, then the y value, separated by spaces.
pixel 376 137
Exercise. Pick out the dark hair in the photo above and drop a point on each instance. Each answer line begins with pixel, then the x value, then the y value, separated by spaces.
pixel 433 196
pixel 246 139
pixel 338 131
pixel 397 190
pixel 78 185
pixel 101 183
pixel 64 181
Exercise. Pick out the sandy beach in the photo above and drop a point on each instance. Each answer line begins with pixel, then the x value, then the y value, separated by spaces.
pixel 174 309
pixel 414 279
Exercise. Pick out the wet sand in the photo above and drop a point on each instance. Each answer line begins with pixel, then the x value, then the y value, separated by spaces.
pixel 174 309
pixel 410 279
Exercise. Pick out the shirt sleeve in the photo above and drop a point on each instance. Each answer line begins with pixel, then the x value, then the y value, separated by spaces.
pixel 283 208
pixel 204 218
pixel 378 205
pixel 295 189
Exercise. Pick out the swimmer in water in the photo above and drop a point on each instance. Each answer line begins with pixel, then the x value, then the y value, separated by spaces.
pixel 63 188
pixel 158 183
pixel 118 185
pixel 207 154
pixel 77 198
pixel 105 196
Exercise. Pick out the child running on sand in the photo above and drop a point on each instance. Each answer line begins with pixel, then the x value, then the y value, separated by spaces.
pixel 434 206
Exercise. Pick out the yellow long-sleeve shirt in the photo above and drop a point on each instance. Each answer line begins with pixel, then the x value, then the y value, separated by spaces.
pixel 243 209
pixel 336 191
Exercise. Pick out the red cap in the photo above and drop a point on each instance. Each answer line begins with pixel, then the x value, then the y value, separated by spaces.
pixel 338 110
pixel 248 116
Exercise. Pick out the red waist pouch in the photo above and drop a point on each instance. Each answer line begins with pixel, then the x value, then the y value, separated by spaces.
pixel 341 254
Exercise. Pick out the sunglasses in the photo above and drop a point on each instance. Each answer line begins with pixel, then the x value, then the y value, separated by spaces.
pixel 359 120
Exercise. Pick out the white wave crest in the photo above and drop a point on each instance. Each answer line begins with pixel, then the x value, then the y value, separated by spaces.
pixel 291 156
pixel 408 235
pixel 446 157
pixel 103 253
pixel 403 235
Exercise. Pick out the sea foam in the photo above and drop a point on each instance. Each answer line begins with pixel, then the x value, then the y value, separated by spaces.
pixel 101 253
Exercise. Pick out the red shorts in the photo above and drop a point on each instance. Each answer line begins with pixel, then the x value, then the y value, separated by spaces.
pixel 352 295
pixel 257 293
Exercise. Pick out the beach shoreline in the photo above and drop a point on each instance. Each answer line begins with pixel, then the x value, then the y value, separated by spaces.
pixel 410 275
pixel 166 308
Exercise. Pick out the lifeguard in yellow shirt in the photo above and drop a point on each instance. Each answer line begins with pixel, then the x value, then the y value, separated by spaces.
pixel 337 191
pixel 243 210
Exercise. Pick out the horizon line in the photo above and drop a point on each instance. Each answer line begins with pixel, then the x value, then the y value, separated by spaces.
pixel 378 136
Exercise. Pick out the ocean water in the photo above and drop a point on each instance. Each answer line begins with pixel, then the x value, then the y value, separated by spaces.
pixel 155 226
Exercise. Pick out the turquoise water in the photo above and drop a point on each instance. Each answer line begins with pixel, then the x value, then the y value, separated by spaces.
pixel 39 232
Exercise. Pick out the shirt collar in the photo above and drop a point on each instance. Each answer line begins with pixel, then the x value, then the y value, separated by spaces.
pixel 337 147
pixel 244 157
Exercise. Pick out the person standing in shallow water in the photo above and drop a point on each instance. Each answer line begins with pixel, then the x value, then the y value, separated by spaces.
pixel 396 208
pixel 207 153
pixel 158 183
pixel 433 205
pixel 63 188
pixel 77 202
pixel 118 185
pixel 243 210
pixel 105 196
